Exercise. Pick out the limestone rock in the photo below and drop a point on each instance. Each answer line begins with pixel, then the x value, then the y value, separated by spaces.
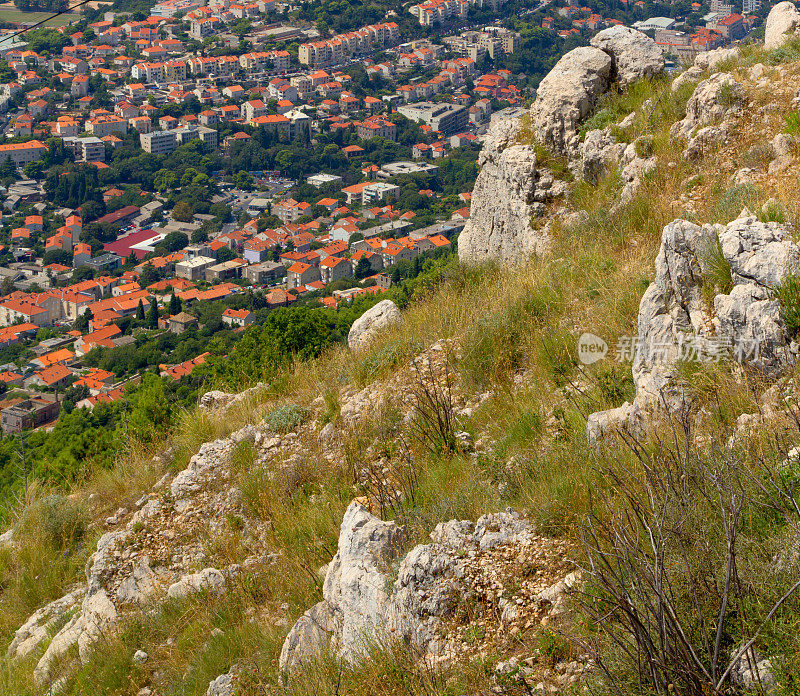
pixel 634 54
pixel 691 74
pixel 362 602
pixel 709 60
pixel 207 580
pixel 567 95
pixel 782 22
pixel 782 146
pixel 509 192
pixel 675 322
pixel 224 684
pixel 599 151
pixel 753 672
pixel 713 100
pixel 309 637
pixel 36 630
pixel 372 322
pixel 707 141
pixel 96 617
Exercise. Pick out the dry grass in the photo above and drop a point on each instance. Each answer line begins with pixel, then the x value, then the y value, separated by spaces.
pixel 517 330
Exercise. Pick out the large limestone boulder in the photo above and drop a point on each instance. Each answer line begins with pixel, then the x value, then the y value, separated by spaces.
pixel 676 323
pixel 372 322
pixel 509 193
pixel 371 595
pixel 782 23
pixel 634 55
pixel 598 153
pixel 354 608
pixel 713 100
pixel 710 60
pixel 567 95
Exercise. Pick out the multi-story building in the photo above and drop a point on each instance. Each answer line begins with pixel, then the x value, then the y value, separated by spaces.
pixel 337 49
pixel 442 118
pixel 158 142
pixel 23 153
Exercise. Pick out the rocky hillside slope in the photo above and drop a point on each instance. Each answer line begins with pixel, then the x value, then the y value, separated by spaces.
pixel 569 464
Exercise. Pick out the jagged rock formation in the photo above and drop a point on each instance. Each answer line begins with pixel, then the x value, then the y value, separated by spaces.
pixel 634 55
pixel 711 60
pixel 567 95
pixel 511 190
pixel 705 123
pixel 713 100
pixel 372 322
pixel 675 323
pixel 150 557
pixel 599 151
pixel 782 22
pixel 509 193
pixel 363 604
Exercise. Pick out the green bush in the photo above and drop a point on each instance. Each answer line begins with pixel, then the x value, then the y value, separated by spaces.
pixel 56 520
pixel 788 295
pixel 717 276
pixel 286 418
pixel 792 123
pixel 735 198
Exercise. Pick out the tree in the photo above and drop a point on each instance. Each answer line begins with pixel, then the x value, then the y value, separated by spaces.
pixel 182 212
pixel 148 276
pixel 175 241
pixel 152 315
pixel 363 268
pixel 174 305
pixel 165 179
pixel 140 311
pixel 82 322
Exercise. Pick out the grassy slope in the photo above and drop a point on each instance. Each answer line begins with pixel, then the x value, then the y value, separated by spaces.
pixel 509 323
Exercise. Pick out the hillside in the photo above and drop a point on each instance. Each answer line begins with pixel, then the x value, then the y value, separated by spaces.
pixel 568 465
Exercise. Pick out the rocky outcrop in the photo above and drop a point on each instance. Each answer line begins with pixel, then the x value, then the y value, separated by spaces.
pixel 372 322
pixel 711 60
pixel 782 23
pixel 217 400
pixel 713 99
pixel 634 55
pixel 567 95
pixel 39 627
pixel 150 556
pixel 509 193
pixel 599 151
pixel 690 75
pixel 511 190
pixel 782 148
pixel 675 322
pixel 354 610
pixel 370 596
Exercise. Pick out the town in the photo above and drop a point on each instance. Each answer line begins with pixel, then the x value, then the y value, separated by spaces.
pixel 177 176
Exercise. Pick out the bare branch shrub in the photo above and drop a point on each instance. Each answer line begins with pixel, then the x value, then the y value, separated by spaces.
pixel 664 543
pixel 434 425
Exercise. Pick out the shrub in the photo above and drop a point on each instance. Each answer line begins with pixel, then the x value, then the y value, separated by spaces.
pixel 717 276
pixel 286 418
pixel 674 553
pixel 735 198
pixel 554 647
pixel 55 519
pixel 792 124
pixel 789 52
pixel 788 295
